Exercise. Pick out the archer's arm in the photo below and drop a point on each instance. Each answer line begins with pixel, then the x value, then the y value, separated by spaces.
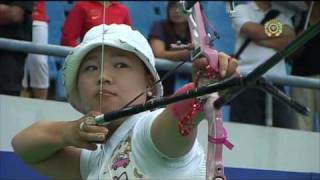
pixel 53 148
pixel 42 147
pixel 164 131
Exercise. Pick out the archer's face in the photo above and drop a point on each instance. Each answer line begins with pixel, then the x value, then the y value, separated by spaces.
pixel 124 76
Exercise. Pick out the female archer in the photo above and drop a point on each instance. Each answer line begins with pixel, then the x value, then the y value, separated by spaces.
pixel 107 70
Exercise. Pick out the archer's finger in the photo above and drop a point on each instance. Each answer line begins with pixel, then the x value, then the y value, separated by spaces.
pixel 232 66
pixel 87 145
pixel 92 137
pixel 200 63
pixel 89 119
pixel 95 129
pixel 223 64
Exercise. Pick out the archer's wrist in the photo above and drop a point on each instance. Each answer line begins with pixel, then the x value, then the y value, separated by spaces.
pixel 188 113
pixel 178 109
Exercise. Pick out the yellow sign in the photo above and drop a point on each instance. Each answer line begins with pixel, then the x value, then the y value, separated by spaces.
pixel 273 27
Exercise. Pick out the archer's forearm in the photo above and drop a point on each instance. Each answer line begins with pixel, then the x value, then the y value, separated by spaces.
pixel 166 137
pixel 165 132
pixel 40 141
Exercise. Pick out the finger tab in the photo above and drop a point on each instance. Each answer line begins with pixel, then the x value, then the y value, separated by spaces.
pixel 90 120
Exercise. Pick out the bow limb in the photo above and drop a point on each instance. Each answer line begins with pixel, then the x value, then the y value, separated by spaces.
pixel 217 138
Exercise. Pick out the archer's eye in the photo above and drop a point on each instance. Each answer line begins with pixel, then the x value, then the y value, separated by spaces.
pixel 91 68
pixel 121 65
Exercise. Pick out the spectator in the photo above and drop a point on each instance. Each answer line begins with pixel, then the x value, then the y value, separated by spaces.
pixel 246 22
pixel 166 32
pixel 86 14
pixel 36 76
pixel 15 23
pixel 305 63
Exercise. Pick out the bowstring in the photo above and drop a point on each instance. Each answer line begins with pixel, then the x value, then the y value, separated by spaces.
pixel 101 85
pixel 102 58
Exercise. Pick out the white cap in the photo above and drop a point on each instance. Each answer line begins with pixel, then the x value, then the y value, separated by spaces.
pixel 118 36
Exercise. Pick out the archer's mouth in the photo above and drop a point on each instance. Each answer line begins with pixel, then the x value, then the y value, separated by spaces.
pixel 106 93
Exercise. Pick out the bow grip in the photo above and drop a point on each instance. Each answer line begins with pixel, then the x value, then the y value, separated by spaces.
pixel 212 56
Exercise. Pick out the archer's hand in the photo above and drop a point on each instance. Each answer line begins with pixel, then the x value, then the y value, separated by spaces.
pixel 227 65
pixel 85 133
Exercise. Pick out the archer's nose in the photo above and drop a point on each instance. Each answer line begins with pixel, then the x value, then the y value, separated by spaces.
pixel 105 78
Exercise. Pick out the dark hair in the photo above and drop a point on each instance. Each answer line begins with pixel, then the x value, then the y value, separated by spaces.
pixel 169 5
pixel 169 25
